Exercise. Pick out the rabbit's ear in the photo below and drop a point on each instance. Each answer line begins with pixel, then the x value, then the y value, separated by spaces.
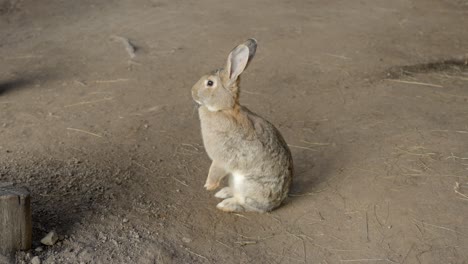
pixel 238 59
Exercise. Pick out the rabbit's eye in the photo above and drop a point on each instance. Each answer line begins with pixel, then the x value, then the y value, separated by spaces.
pixel 209 83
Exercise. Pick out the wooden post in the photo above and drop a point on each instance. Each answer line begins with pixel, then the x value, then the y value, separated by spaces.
pixel 15 219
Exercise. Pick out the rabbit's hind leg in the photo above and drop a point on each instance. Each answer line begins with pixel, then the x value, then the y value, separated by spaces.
pixel 259 197
pixel 230 205
pixel 224 193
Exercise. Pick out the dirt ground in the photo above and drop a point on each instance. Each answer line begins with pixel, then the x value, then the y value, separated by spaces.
pixel 371 96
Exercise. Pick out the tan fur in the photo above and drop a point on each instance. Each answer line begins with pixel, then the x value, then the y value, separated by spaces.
pixel 240 143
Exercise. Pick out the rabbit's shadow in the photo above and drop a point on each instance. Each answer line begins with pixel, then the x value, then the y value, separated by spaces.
pixel 24 81
pixel 15 84
pixel 313 170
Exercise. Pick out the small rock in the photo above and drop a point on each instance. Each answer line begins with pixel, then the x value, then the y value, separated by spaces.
pixel 125 220
pixel 102 237
pixel 186 240
pixel 39 249
pixel 50 239
pixel 36 260
pixel 134 235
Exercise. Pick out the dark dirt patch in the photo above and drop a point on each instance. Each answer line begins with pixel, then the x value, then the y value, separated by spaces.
pixel 449 65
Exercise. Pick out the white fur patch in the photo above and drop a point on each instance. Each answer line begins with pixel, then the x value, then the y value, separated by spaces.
pixel 211 109
pixel 238 185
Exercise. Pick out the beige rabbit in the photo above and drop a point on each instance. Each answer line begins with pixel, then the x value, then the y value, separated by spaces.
pixel 240 143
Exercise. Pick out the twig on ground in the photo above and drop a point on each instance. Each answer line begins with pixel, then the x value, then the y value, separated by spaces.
pixel 224 244
pixel 367 260
pixel 457 190
pixel 142 166
pixel 80 83
pixel 407 253
pixel 245 243
pixel 112 81
pixel 376 217
pixel 301 147
pixel 243 216
pixel 441 227
pixel 456 131
pixel 83 131
pixel 91 102
pixel 179 181
pixel 455 157
pixel 367 227
pixel 453 77
pixel 428 154
pixel 196 254
pixel 416 83
pixel 337 56
pixel 305 250
pixel 248 92
pixel 315 143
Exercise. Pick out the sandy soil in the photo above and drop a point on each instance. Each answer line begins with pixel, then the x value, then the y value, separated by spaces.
pixel 371 95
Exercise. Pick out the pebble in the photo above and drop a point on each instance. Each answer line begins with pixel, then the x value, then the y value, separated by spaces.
pixel 134 235
pixel 38 249
pixel 125 220
pixel 36 260
pixel 50 239
pixel 186 240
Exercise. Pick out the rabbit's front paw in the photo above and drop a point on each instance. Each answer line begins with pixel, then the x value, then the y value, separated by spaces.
pixel 209 186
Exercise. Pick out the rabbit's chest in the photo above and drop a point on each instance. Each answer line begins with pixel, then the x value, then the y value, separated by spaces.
pixel 219 142
pixel 223 140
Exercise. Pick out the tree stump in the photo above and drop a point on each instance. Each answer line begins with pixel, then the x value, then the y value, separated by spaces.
pixel 15 219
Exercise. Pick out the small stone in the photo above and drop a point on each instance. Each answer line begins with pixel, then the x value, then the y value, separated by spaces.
pixel 36 260
pixel 50 239
pixel 125 220
pixel 39 249
pixel 102 237
pixel 186 240
pixel 389 227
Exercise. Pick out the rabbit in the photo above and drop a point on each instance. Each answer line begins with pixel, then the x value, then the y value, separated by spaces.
pixel 240 143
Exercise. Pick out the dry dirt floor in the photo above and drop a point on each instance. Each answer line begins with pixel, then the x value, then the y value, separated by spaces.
pixel 371 96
